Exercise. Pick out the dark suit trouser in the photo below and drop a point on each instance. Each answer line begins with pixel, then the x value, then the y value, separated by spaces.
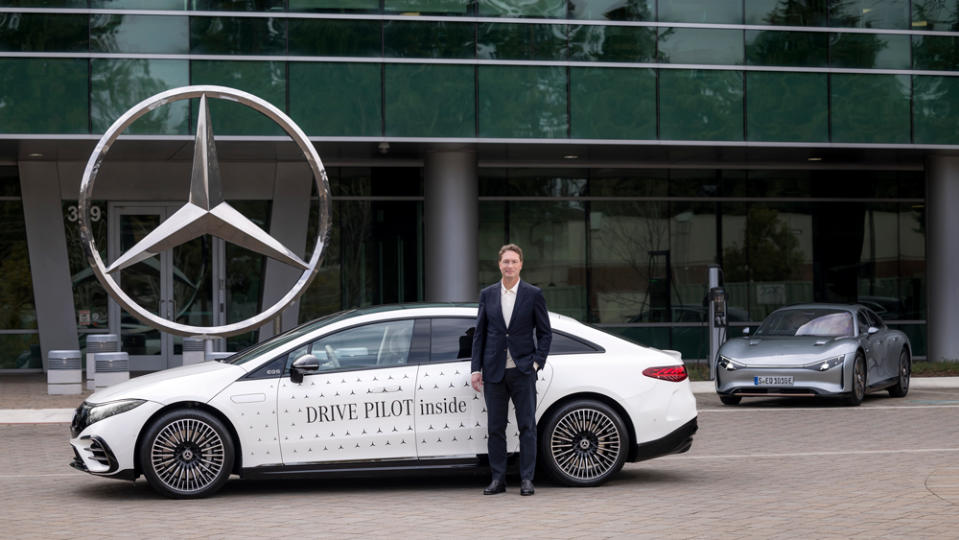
pixel 521 388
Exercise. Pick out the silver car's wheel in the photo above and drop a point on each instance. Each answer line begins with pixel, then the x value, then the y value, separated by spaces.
pixel 187 454
pixel 858 390
pixel 584 443
pixel 905 372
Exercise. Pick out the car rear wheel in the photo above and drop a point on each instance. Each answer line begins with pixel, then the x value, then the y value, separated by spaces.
pixel 730 400
pixel 187 454
pixel 905 372
pixel 584 443
pixel 858 391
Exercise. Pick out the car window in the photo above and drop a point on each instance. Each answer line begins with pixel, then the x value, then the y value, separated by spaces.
pixel 874 320
pixel 372 345
pixel 807 322
pixel 452 339
pixel 863 323
pixel 563 344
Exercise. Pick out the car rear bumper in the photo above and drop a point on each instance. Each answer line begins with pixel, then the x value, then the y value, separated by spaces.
pixel 677 442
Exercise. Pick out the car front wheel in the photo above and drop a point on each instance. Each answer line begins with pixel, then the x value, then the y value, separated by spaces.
pixel 858 390
pixel 187 453
pixel 901 387
pixel 584 442
pixel 730 400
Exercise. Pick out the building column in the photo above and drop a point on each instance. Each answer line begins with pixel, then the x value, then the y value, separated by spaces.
pixel 49 265
pixel 289 220
pixel 451 261
pixel 942 258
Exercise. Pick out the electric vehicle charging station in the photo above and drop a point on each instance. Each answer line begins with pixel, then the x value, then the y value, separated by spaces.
pixel 716 320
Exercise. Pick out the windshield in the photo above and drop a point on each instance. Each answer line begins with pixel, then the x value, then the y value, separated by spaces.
pixel 807 322
pixel 277 342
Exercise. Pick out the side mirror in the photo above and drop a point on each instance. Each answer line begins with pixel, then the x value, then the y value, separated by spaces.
pixel 872 330
pixel 746 331
pixel 304 364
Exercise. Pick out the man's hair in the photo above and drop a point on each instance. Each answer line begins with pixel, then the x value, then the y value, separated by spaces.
pixel 510 247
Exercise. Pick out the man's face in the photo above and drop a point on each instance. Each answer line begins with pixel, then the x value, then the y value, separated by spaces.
pixel 510 265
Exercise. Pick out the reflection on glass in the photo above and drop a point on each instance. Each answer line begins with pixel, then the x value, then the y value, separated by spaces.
pixel 333 5
pixel 334 37
pixel 117 85
pixel 493 234
pixel 870 14
pixel 43 95
pixel 787 12
pixel 912 262
pixel 139 34
pixel 533 182
pixel 612 43
pixel 142 283
pixel 443 7
pixel 89 297
pixel 234 5
pixel 41 32
pixel 786 106
pixel 611 103
pixel 553 9
pixel 430 101
pixel 698 11
pixel 934 15
pixel 16 287
pixel 935 110
pixel 521 101
pixel 237 35
pixel 613 10
pixel 139 4
pixel 336 98
pixel 870 108
pixel 868 51
pixel 20 351
pixel 447 39
pixel 935 52
pixel 700 46
pixel 521 41
pixel 628 182
pixel 243 288
pixel 701 105
pixel 266 80
pixel 769 48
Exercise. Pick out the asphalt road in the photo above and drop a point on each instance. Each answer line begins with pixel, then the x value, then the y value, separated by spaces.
pixel 769 468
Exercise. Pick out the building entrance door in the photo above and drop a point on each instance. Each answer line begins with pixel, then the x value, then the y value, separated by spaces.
pixel 183 284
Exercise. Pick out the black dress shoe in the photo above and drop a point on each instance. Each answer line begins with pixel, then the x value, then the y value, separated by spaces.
pixel 494 487
pixel 526 488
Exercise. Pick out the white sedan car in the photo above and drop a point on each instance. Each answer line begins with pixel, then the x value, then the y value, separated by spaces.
pixel 380 390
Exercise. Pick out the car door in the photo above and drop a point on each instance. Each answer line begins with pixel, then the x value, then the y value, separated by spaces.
pixel 359 404
pixel 888 346
pixel 872 346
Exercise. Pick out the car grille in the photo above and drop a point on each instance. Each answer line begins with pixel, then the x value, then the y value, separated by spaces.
pixel 80 419
pixel 99 453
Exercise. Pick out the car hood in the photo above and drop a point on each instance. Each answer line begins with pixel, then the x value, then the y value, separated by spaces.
pixel 785 350
pixel 197 382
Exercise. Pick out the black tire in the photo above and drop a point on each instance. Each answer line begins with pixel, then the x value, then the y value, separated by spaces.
pixel 901 387
pixel 187 454
pixel 858 391
pixel 730 400
pixel 583 444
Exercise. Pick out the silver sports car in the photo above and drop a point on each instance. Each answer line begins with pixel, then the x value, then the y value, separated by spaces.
pixel 815 350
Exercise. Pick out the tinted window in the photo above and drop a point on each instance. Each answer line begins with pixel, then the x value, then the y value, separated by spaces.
pixel 874 320
pixel 369 346
pixel 452 339
pixel 863 323
pixel 563 344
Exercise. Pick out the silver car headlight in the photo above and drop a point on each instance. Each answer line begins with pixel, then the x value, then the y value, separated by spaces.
pixel 113 408
pixel 827 364
pixel 729 364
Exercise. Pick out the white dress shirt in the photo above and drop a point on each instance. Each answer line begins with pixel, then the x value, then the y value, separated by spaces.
pixel 507 301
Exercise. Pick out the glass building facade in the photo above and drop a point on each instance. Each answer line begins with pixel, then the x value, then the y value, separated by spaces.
pixel 625 144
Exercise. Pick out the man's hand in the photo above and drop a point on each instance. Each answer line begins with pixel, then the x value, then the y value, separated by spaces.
pixel 476 381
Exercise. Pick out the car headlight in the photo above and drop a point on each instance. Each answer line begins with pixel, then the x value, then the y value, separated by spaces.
pixel 729 364
pixel 827 364
pixel 106 410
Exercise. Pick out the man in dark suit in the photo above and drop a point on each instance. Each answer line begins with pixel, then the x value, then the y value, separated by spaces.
pixel 506 358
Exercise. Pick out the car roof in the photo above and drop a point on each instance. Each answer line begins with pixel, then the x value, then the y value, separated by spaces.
pixel 845 307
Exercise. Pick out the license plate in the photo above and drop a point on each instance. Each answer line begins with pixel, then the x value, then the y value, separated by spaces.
pixel 773 381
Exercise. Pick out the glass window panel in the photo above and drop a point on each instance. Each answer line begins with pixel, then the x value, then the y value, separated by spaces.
pixel 521 41
pixel 333 5
pixel 117 85
pixel 522 101
pixel 935 110
pixel 43 95
pixel 612 43
pixel 533 182
pixel 613 10
pixel 917 338
pixel 611 103
pixel 20 351
pixel 934 15
pixel 692 248
pixel 9 181
pixel 878 280
pixel 336 98
pixel 16 287
pixel 777 184
pixel 324 295
pixel 42 32
pixel 493 234
pixel 444 7
pixel 868 51
pixel 698 11
pixel 870 13
pixel 46 3
pixel 238 5
pixel 699 46
pixel 266 80
pixel 140 4
pixel 786 106
pixel 912 261
pixel 770 48
pixel 334 37
pixel 452 339
pixel 870 108
pixel 237 35
pixel 89 297
pixel 701 105
pixel 430 101
pixel 446 39
pixel 376 181
pixel 553 9
pixel 139 34
pixel 935 52
pixel 697 182
pixel 791 13
pixel 552 235
pixel 628 183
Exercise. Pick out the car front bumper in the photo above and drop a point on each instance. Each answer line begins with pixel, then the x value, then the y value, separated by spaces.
pixel 744 381
pixel 108 447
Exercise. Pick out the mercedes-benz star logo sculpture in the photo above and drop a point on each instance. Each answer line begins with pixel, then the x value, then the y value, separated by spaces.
pixel 205 212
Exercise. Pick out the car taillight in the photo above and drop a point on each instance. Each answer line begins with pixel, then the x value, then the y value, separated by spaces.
pixel 667 373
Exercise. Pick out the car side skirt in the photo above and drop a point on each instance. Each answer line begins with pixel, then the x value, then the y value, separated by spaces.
pixel 677 442
pixel 363 468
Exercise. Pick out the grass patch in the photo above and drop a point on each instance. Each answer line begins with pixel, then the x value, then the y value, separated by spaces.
pixel 699 371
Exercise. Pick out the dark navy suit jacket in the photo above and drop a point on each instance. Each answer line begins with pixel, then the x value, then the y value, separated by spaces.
pixel 492 337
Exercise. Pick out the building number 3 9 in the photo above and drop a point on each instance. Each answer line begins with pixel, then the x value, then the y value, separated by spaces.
pixel 73 213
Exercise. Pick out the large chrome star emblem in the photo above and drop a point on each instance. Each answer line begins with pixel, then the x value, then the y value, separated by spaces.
pixel 205 212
